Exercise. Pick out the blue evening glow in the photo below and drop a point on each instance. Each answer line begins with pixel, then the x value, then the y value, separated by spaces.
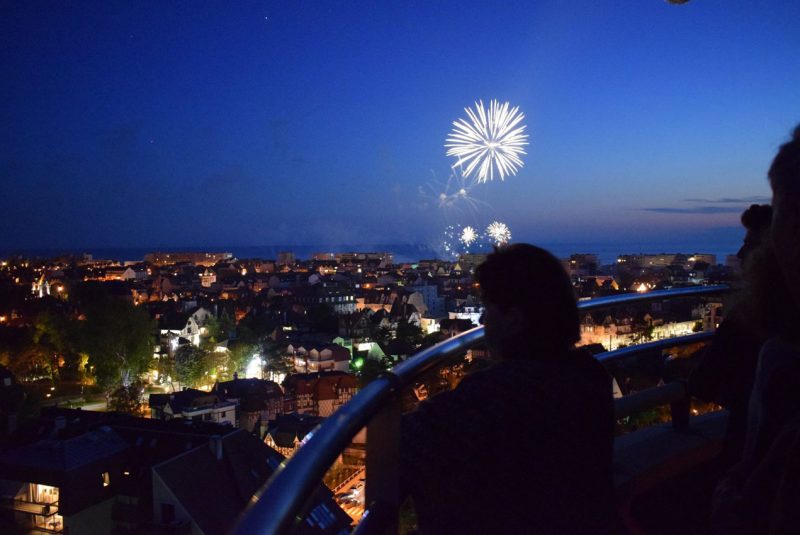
pixel 189 124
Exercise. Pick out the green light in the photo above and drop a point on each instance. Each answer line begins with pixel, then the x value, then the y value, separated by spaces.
pixel 359 363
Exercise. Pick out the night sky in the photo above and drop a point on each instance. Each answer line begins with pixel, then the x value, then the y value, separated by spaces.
pixel 156 123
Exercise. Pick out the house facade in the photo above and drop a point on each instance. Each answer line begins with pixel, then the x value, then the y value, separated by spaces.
pixel 326 357
pixel 318 394
pixel 62 485
pixel 194 405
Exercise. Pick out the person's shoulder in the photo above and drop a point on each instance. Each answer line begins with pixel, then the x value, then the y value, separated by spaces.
pixel 444 402
pixel 777 353
pixel 476 388
pixel 506 373
pixel 780 346
pixel 436 415
pixel 472 384
pixel 575 362
pixel 585 361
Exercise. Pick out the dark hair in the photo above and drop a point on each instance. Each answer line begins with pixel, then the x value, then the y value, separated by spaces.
pixel 784 173
pixel 765 298
pixel 757 217
pixel 530 278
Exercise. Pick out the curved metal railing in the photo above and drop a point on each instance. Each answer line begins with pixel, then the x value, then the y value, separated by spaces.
pixel 283 499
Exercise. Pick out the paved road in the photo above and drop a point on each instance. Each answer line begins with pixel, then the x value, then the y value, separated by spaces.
pixel 94 406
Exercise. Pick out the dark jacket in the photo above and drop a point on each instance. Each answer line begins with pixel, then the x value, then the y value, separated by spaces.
pixel 725 376
pixel 524 446
pixel 745 499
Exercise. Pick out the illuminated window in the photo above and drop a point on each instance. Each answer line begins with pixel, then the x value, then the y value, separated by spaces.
pixel 106 479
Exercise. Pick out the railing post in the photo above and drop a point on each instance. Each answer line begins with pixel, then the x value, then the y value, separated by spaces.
pixel 383 453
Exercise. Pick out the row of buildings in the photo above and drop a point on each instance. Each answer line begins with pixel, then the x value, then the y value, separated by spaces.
pixel 73 471
pixel 246 402
pixel 270 411
pixel 368 297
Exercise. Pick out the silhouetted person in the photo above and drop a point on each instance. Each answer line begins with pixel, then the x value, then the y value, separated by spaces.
pixel 784 178
pixel 756 220
pixel 762 493
pixel 774 398
pixel 524 446
pixel 728 367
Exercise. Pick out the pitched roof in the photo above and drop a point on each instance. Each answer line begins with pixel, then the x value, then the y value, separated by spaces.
pixel 288 427
pixel 67 454
pixel 182 400
pixel 245 464
pixel 238 388
pixel 173 321
pixel 338 352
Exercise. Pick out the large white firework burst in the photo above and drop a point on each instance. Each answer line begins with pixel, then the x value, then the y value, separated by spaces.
pixel 499 233
pixel 468 235
pixel 490 142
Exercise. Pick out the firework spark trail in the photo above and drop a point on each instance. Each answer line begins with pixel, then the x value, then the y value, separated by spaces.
pixel 492 141
pixel 449 244
pixel 454 194
pixel 499 232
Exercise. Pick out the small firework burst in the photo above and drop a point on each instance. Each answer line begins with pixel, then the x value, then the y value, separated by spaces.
pixel 499 233
pixel 468 235
pixel 459 240
pixel 490 142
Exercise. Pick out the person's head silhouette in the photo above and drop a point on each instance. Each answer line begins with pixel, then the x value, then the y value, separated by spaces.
pixel 784 177
pixel 756 221
pixel 530 308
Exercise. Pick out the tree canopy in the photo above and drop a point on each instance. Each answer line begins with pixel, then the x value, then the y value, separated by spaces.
pixel 190 365
pixel 119 339
pixel 127 399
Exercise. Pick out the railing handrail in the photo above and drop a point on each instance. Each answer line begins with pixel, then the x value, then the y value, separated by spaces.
pixel 625 352
pixel 654 295
pixel 276 505
pixel 430 358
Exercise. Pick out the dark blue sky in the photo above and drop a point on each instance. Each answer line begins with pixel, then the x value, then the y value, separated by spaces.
pixel 158 123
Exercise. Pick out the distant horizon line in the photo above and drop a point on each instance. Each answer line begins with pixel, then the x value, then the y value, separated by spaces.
pixel 607 252
pixel 322 247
